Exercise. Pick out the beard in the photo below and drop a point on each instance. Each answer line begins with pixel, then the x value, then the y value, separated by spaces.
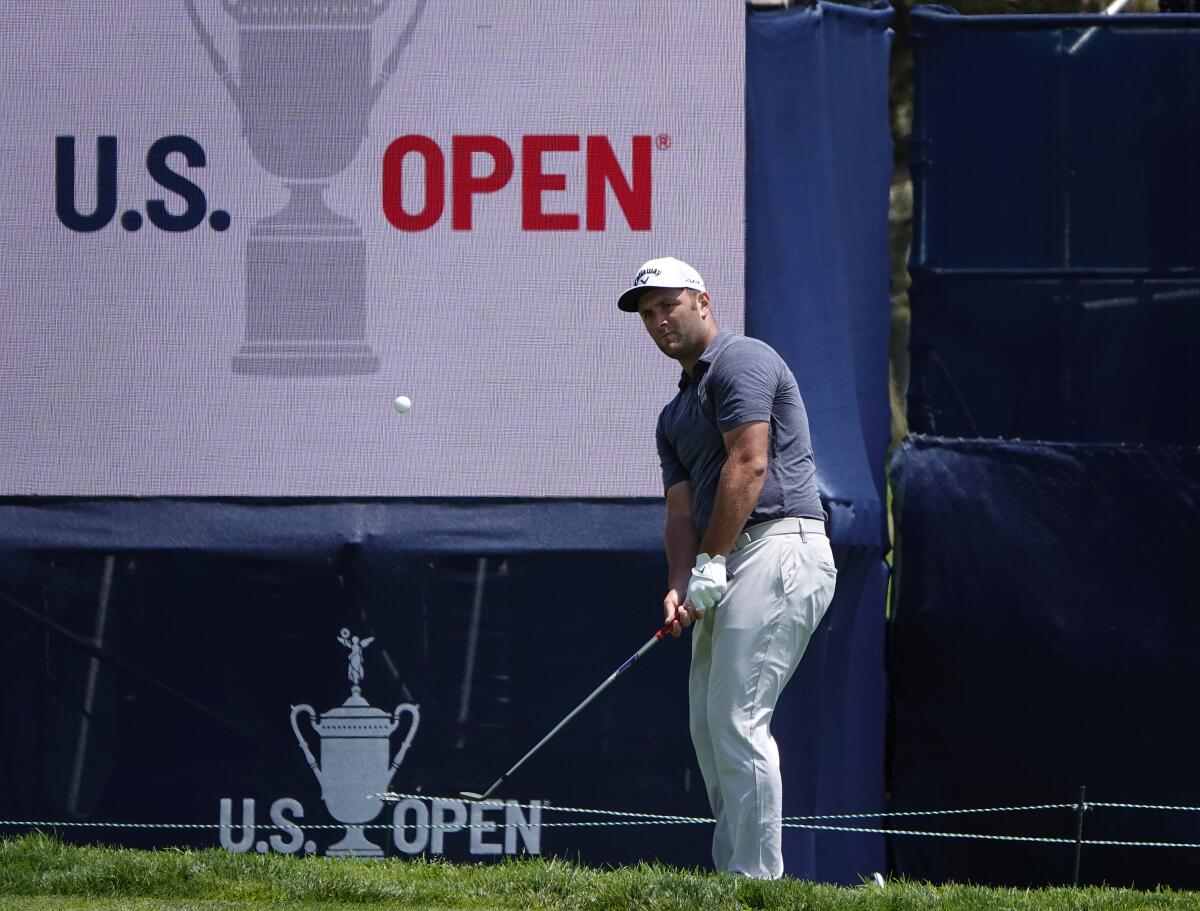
pixel 682 341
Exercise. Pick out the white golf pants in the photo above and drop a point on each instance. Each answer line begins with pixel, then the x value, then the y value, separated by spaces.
pixel 744 651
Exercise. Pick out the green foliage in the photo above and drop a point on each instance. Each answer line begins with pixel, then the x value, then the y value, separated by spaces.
pixel 40 873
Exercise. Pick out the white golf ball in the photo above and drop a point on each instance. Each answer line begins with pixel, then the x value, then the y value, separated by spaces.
pixel 402 403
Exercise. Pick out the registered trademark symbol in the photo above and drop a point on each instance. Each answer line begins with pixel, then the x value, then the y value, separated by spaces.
pixel 663 140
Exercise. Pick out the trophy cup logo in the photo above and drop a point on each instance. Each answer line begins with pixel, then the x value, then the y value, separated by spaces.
pixel 354 746
pixel 305 95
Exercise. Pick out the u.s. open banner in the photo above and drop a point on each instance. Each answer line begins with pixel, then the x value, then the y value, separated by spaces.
pixel 233 231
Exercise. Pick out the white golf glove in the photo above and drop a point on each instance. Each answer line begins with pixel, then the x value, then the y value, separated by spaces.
pixel 707 586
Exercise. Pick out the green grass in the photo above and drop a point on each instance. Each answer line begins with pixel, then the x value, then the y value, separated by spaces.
pixel 39 873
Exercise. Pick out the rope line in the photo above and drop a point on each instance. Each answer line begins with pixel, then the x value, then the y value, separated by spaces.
pixel 895 813
pixel 623 818
pixel 1021 838
pixel 1137 806
pixel 660 817
pixel 618 823
pixel 393 797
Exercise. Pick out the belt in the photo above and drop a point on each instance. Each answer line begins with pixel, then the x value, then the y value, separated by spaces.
pixel 788 526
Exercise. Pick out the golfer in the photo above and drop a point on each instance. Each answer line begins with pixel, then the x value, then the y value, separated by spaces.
pixel 746 548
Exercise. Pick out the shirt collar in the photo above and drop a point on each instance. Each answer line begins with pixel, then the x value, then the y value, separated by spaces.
pixel 720 340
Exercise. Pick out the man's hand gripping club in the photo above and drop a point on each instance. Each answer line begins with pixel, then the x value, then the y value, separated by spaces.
pixel 707 585
pixel 705 588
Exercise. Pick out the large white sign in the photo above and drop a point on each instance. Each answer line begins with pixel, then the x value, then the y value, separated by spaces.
pixel 232 232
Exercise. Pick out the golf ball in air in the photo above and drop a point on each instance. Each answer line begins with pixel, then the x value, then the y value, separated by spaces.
pixel 402 403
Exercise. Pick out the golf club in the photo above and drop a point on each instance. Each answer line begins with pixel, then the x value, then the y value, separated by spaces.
pixel 654 640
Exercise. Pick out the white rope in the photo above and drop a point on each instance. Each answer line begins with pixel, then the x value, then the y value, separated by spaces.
pixel 894 813
pixel 489 826
pixel 1023 838
pixel 618 823
pixel 43 824
pixel 658 817
pixel 627 818
pixel 979 836
pixel 393 797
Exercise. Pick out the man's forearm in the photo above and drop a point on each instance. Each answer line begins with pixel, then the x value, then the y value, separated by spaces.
pixel 737 495
pixel 681 546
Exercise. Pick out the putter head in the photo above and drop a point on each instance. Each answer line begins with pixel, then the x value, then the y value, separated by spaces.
pixel 470 795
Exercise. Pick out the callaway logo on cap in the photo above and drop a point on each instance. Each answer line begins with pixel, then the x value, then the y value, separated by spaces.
pixel 667 272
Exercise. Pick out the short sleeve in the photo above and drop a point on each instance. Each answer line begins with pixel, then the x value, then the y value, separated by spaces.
pixel 742 384
pixel 672 469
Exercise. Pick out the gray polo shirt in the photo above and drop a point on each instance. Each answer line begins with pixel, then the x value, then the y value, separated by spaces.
pixel 739 380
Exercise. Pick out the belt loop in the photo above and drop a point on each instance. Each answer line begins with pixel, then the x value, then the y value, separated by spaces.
pixel 803 536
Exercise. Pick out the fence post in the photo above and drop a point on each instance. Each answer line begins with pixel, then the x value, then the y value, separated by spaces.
pixel 1079 808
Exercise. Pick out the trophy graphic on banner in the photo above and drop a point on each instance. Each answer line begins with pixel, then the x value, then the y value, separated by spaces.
pixel 354 746
pixel 305 95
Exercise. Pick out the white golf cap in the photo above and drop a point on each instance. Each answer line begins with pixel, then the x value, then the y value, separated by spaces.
pixel 667 272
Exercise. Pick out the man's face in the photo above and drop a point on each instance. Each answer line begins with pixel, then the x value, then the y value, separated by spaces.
pixel 677 320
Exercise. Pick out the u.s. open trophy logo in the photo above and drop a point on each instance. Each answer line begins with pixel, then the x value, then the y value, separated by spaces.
pixel 304 91
pixel 355 743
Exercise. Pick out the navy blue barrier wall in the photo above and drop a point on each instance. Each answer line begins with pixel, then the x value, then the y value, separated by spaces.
pixel 819 162
pixel 205 646
pixel 219 616
pixel 155 649
pixel 1056 170
pixel 1043 638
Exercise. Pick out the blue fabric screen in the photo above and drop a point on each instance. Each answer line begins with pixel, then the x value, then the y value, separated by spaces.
pixel 818 169
pixel 1056 181
pixel 1043 639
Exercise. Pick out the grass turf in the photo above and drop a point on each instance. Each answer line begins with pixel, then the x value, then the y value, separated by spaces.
pixel 40 873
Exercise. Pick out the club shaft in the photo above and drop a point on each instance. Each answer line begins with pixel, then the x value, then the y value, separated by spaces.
pixel 495 784
pixel 650 643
